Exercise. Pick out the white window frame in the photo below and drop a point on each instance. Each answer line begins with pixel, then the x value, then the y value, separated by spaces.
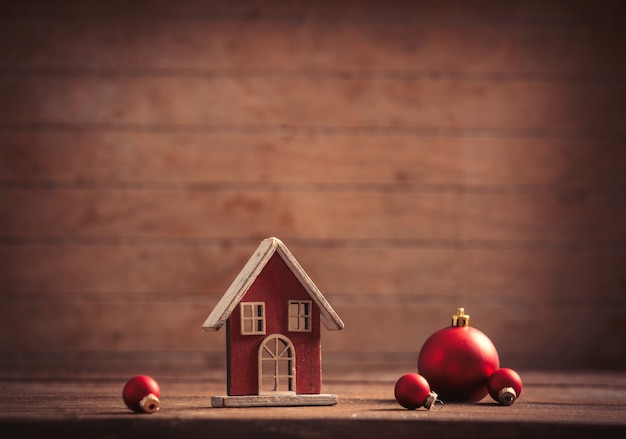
pixel 256 318
pixel 302 319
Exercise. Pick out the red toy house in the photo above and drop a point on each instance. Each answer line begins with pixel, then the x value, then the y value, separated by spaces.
pixel 273 312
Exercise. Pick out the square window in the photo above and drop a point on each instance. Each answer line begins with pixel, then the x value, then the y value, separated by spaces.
pixel 252 318
pixel 299 315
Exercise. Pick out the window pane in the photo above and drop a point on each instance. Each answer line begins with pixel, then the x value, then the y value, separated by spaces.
pixel 284 367
pixel 266 354
pixel 283 350
pixel 284 384
pixel 294 308
pixel 293 323
pixel 268 367
pixel 247 326
pixel 269 384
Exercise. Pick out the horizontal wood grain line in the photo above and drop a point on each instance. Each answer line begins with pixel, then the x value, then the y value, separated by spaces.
pixel 310 45
pixel 112 356
pixel 186 186
pixel 102 366
pixel 100 268
pixel 88 367
pixel 116 326
pixel 347 75
pixel 539 106
pixel 489 11
pixel 342 243
pixel 195 358
pixel 338 298
pixel 596 133
pixel 77 157
pixel 386 216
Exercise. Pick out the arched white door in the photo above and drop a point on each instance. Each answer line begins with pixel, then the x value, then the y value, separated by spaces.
pixel 277 365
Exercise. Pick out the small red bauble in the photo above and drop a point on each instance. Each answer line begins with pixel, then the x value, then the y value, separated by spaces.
pixel 458 360
pixel 412 392
pixel 141 394
pixel 505 386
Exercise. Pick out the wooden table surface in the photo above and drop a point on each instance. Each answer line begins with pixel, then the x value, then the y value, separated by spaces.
pixel 551 404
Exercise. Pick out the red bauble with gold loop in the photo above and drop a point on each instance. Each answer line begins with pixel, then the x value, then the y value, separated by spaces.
pixel 458 360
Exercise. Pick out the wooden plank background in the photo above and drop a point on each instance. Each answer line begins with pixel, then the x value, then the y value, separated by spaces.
pixel 415 157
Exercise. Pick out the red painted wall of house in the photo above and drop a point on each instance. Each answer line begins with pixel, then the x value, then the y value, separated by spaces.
pixel 275 286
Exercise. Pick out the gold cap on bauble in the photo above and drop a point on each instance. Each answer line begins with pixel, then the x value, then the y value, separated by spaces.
pixel 460 318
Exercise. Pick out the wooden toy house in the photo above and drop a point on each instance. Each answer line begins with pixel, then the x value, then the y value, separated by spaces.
pixel 273 312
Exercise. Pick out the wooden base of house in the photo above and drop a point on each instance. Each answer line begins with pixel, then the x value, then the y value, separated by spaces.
pixel 284 400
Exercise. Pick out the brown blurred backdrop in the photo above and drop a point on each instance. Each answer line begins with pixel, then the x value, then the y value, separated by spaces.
pixel 415 156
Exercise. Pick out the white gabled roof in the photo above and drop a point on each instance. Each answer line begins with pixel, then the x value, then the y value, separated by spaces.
pixel 249 273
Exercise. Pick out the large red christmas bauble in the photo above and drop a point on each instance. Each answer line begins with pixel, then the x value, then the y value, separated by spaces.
pixel 458 360
pixel 141 394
